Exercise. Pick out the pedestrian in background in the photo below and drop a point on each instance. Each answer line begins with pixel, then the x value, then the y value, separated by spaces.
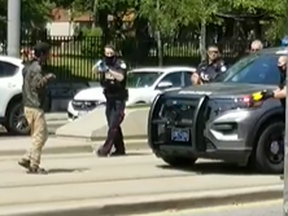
pixel 34 94
pixel 112 74
pixel 255 46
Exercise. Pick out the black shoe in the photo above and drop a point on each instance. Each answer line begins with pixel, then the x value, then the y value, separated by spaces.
pixel 100 153
pixel 24 163
pixel 37 170
pixel 117 153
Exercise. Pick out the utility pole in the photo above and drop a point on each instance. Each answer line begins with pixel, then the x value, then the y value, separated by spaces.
pixel 14 27
pixel 285 197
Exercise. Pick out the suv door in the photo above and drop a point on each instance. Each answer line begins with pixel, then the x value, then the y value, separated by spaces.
pixel 9 84
pixel 176 78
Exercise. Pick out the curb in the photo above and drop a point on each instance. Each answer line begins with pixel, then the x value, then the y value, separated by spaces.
pixel 84 148
pixel 165 202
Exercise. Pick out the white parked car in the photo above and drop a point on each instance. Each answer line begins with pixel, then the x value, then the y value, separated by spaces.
pixel 11 111
pixel 143 85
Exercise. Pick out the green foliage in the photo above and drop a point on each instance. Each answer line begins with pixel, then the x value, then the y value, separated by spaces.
pixel 92 32
pixel 91 46
pixel 166 15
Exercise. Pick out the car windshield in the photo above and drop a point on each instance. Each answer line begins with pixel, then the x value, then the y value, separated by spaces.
pixel 254 69
pixel 142 79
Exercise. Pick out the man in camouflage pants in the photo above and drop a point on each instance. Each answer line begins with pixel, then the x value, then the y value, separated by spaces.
pixel 34 94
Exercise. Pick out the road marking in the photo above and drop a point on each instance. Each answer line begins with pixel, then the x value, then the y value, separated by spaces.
pixel 215 209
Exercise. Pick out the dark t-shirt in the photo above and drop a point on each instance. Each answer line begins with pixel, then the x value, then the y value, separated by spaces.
pixel 113 89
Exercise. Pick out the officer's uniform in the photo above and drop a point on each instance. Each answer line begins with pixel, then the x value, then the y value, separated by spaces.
pixel 116 96
pixel 34 95
pixel 209 72
pixel 281 86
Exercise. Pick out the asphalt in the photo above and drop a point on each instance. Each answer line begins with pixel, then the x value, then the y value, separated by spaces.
pixel 83 184
pixel 269 208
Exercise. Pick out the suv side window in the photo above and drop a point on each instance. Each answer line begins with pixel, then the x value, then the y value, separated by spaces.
pixel 7 69
pixel 174 78
pixel 260 69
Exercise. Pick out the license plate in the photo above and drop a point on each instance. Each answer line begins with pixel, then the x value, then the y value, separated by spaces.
pixel 82 113
pixel 180 135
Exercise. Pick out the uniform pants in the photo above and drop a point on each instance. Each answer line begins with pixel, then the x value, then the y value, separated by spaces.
pixel 39 134
pixel 114 115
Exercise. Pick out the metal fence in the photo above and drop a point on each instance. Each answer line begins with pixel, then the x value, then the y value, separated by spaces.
pixel 73 57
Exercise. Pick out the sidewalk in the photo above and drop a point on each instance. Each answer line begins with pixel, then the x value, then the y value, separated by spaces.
pixel 17 145
pixel 56 116
pixel 86 184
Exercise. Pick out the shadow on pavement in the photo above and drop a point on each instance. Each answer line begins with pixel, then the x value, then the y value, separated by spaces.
pixel 10 135
pixel 216 168
pixel 59 170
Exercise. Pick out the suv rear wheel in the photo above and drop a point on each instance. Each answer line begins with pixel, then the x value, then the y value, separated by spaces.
pixel 175 161
pixel 269 154
pixel 16 122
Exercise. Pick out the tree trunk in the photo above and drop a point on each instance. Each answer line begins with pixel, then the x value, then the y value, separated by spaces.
pixel 158 38
pixel 202 40
pixel 159 49
pixel 94 24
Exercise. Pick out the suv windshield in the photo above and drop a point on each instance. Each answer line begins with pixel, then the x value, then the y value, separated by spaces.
pixel 255 69
pixel 142 79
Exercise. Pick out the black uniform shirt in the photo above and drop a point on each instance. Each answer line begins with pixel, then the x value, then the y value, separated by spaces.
pixel 211 71
pixel 113 89
pixel 281 86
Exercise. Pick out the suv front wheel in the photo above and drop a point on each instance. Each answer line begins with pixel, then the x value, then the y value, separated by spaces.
pixel 269 153
pixel 16 122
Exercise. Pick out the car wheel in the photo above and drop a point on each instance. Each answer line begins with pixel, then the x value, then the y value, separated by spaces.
pixel 175 161
pixel 269 154
pixel 16 121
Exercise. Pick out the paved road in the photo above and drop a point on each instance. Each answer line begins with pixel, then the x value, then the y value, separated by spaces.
pixel 270 208
pixel 84 179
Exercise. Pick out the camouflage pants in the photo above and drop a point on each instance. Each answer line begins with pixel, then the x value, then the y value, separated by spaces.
pixel 39 134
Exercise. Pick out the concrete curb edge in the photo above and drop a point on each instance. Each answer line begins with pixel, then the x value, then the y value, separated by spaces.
pixel 184 201
pixel 86 148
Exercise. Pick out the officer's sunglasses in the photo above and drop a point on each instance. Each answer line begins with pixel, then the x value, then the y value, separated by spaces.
pixel 213 51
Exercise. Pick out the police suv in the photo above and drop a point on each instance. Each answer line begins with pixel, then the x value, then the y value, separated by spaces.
pixel 220 120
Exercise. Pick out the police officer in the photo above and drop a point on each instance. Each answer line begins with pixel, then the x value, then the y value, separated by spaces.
pixel 280 92
pixel 210 68
pixel 34 95
pixel 112 71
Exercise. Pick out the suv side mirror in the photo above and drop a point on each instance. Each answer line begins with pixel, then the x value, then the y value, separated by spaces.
pixel 164 85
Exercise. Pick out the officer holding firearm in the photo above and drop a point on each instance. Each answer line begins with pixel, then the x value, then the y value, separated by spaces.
pixel 112 73
pixel 279 93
